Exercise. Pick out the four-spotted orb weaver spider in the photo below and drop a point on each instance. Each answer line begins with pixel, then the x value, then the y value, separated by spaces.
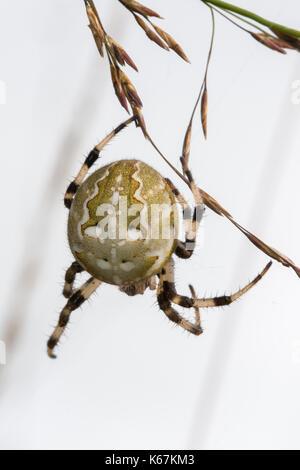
pixel 134 263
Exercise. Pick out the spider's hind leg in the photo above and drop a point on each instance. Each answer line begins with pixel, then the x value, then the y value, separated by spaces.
pixel 167 294
pixel 223 300
pixel 197 310
pixel 165 305
pixel 74 302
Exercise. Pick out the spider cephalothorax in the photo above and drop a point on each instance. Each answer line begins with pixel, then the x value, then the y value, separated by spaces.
pixel 123 230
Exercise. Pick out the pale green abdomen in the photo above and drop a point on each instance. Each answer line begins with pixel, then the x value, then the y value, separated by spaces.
pixel 123 222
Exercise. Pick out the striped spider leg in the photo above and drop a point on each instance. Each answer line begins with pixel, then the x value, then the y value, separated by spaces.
pixel 165 302
pixel 167 294
pixel 77 297
pixel 70 277
pixel 74 302
pixel 89 162
pixel 191 222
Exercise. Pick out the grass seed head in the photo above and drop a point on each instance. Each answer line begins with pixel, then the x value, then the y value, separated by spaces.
pixel 170 41
pixel 130 91
pixel 98 40
pixel 269 42
pixel 187 144
pixel 96 28
pixel 291 42
pixel 118 57
pixel 118 86
pixel 150 33
pixel 137 7
pixel 140 119
pixel 120 54
pixel 204 103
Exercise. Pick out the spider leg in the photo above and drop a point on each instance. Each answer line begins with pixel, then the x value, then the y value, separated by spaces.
pixel 191 223
pixel 74 302
pixel 70 276
pixel 173 296
pixel 89 162
pixel 165 303
pixel 197 310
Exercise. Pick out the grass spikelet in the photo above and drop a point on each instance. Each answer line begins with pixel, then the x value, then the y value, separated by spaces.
pixel 170 41
pixel 150 33
pixel 118 57
pixel 118 86
pixel 292 41
pixel 120 54
pixel 268 41
pixel 137 7
pixel 204 104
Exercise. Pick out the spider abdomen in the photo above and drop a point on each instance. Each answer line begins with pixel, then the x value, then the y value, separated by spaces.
pixel 123 223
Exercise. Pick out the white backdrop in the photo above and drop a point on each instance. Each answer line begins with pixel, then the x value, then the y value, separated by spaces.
pixel 125 377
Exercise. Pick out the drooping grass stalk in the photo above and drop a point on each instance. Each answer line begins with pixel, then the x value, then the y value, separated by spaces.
pixel 253 16
pixel 233 15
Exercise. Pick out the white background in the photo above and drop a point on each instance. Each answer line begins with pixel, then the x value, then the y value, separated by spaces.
pixel 125 377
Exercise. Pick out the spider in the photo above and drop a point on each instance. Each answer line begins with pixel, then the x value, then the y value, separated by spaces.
pixel 133 261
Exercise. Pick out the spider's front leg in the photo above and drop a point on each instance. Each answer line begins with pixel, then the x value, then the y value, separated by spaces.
pixel 89 162
pixel 70 276
pixel 74 302
pixel 191 223
pixel 165 305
